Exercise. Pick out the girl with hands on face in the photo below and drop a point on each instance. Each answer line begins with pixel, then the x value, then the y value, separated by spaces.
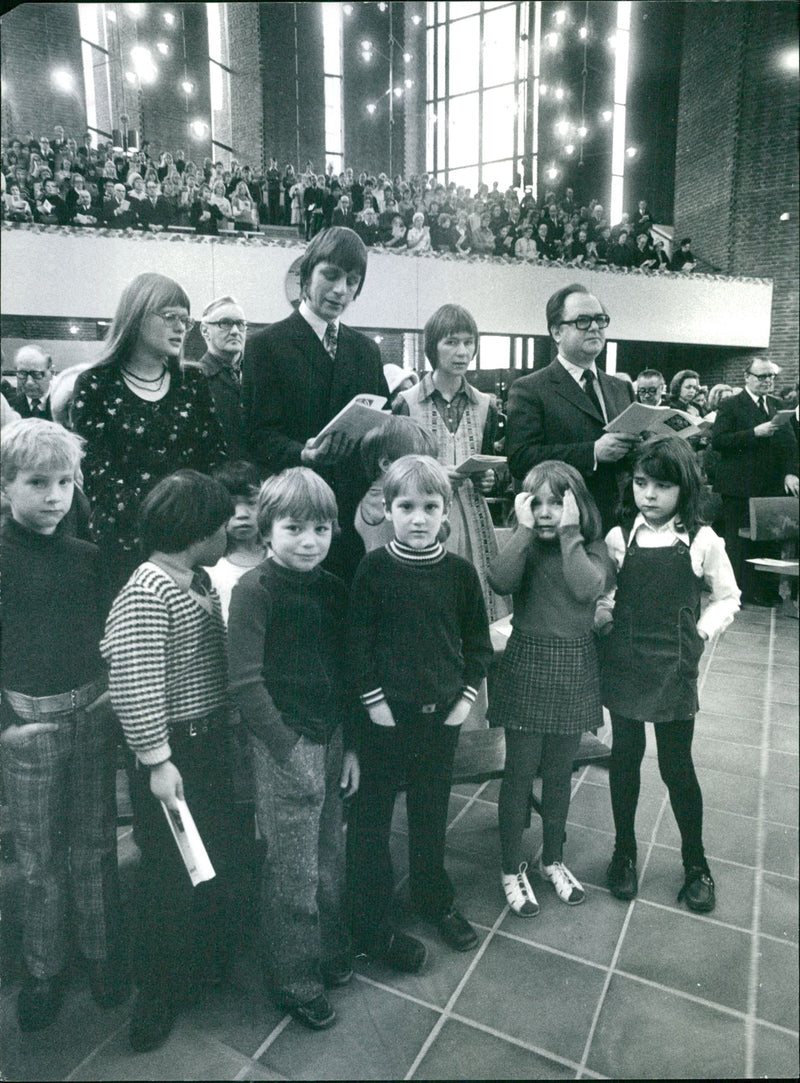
pixel 547 689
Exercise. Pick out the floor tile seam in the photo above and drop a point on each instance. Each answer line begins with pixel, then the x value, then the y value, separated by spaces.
pixel 612 967
pixel 232 1051
pixel 557 1058
pixel 717 861
pixel 700 919
pixel 755 954
pixel 548 949
pixel 725 1009
pixel 787 941
pixel 448 1008
pixel 115 1033
pixel 470 801
pixel 401 993
pixel 271 1038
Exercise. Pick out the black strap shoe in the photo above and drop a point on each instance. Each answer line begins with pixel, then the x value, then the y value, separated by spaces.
pixel 456 931
pixel 621 877
pixel 316 1014
pixel 404 953
pixel 698 891
pixel 151 1023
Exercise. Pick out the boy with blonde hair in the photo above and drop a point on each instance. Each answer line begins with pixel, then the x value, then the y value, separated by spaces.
pixel 58 735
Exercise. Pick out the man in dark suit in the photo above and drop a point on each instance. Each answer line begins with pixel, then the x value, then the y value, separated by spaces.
pixel 154 211
pixel 757 458
pixel 34 375
pixel 224 327
pixel 560 412
pixel 299 373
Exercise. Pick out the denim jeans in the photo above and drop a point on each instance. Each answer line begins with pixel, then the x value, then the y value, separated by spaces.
pixel 418 752
pixel 61 791
pixel 299 813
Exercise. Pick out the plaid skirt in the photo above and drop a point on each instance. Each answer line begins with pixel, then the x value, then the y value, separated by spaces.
pixel 547 685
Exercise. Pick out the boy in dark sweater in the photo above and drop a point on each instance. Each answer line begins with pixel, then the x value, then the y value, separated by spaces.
pixel 419 649
pixel 286 639
pixel 58 735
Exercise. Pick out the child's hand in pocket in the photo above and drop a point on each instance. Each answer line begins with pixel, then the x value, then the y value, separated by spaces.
pixel 570 512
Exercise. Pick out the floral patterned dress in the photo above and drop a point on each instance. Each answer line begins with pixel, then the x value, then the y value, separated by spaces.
pixel 131 443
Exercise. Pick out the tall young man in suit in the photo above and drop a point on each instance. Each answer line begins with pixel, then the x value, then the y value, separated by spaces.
pixel 757 458
pixel 300 372
pixel 560 412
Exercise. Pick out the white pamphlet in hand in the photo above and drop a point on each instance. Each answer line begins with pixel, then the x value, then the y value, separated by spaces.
pixel 187 837
pixel 649 421
pixel 478 464
pixel 355 420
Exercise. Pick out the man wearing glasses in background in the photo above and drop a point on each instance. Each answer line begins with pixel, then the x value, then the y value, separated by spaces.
pixel 650 387
pixel 560 412
pixel 34 375
pixel 757 458
pixel 224 327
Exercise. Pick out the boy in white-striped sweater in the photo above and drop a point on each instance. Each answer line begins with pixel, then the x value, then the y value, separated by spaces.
pixel 165 646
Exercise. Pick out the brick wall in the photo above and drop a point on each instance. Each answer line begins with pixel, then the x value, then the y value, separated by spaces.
pixel 247 110
pixel 737 162
pixel 38 38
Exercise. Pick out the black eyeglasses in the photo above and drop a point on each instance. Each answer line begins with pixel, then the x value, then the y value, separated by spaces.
pixel 31 374
pixel 228 325
pixel 764 376
pixel 649 392
pixel 583 323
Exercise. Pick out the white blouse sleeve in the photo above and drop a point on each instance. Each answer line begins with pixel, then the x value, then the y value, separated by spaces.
pixel 710 560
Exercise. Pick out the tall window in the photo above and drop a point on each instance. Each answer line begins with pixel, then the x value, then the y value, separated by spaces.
pixel 475 108
pixel 219 77
pixel 332 61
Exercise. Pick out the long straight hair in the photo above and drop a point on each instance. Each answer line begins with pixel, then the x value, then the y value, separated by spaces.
pixel 148 292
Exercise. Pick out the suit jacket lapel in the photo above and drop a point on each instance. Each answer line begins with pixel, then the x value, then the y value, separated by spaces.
pixel 613 395
pixel 568 389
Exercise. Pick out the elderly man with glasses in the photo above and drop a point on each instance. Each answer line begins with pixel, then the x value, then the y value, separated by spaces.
pixel 650 386
pixel 34 374
pixel 757 458
pixel 560 412
pixel 224 327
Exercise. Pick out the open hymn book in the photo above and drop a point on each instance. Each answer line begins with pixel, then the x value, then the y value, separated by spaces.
pixel 649 421
pixel 362 413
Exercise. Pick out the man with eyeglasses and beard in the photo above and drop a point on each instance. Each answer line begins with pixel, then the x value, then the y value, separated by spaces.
pixel 758 457
pixel 560 412
pixel 224 327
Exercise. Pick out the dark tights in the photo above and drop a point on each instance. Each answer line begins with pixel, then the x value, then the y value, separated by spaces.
pixel 674 744
pixel 524 754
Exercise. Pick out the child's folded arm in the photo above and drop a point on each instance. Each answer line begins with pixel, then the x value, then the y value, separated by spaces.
pixel 506 569
pixel 247 628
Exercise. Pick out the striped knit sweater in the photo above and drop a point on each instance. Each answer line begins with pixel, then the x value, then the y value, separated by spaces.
pixel 166 657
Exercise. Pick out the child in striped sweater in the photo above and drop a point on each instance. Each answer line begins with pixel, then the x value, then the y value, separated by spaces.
pixel 165 646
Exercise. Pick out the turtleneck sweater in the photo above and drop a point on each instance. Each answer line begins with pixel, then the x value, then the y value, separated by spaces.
pixel 418 627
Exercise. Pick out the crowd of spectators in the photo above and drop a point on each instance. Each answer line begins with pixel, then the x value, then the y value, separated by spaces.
pixel 61 182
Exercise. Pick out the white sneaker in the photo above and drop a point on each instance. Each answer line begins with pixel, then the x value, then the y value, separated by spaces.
pixel 519 893
pixel 568 889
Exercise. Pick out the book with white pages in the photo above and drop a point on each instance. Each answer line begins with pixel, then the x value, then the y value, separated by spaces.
pixel 649 421
pixel 362 413
pixel 190 845
pixel 478 464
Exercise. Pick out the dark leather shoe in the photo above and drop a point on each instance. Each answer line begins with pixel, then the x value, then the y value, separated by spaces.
pixel 404 953
pixel 317 1014
pixel 39 1002
pixel 151 1022
pixel 108 983
pixel 456 931
pixel 621 877
pixel 698 891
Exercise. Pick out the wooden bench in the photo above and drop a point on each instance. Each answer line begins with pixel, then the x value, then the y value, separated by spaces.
pixel 776 519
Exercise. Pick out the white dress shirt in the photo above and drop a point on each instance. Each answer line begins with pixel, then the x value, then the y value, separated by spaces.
pixel 315 322
pixel 576 372
pixel 709 561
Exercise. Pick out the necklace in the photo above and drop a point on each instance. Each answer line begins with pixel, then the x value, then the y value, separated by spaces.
pixel 148 383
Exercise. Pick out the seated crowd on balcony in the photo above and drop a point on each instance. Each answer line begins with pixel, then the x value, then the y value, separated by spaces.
pixel 58 182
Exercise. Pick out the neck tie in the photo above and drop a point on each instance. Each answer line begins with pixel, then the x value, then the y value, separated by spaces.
pixel 36 405
pixel 588 386
pixel 329 342
pixel 762 402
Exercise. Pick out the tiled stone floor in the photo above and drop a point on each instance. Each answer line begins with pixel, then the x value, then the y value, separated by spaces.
pixel 608 989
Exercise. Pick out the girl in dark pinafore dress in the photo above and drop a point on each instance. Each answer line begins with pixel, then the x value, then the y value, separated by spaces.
pixel 655 637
